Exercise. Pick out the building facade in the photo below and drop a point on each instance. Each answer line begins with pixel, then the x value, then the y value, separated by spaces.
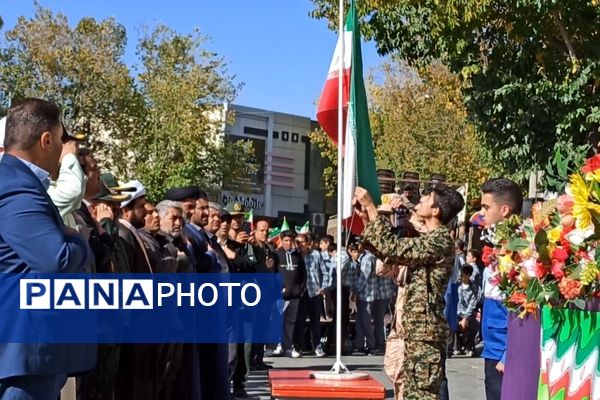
pixel 288 168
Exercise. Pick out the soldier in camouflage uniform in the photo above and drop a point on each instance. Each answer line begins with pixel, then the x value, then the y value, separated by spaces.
pixel 429 259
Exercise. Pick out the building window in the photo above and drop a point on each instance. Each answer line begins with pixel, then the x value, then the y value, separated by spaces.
pixel 285 135
pixel 275 134
pixel 255 131
pixel 294 137
pixel 306 142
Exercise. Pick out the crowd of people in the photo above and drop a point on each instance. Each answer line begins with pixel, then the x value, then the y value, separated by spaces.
pixel 61 213
pixel 73 212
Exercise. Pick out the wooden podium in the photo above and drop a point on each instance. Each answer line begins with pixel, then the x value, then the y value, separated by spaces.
pixel 297 384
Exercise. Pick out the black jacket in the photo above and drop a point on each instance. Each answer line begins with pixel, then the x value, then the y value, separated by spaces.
pixel 293 273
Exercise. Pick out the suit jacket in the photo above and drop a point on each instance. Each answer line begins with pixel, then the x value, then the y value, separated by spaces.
pixel 33 239
pixel 102 244
pixel 160 258
pixel 201 258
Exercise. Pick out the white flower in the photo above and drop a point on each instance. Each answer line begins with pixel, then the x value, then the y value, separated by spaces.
pixel 578 236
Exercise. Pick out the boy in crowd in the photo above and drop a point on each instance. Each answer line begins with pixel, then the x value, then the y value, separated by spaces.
pixel 468 296
pixel 500 198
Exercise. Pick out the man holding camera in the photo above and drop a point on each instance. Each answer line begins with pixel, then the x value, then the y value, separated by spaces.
pixel 429 259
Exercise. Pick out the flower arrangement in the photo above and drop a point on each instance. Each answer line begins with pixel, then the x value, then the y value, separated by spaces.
pixel 551 258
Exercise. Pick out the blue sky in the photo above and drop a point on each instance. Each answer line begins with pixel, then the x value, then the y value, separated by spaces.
pixel 274 48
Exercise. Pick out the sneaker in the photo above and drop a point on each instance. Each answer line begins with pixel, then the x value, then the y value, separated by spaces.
pixel 319 351
pixel 296 354
pixel 278 351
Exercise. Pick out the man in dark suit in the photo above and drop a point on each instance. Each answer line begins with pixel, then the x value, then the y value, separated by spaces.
pixel 203 250
pixel 33 238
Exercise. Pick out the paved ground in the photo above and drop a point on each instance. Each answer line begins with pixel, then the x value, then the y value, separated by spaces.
pixel 465 375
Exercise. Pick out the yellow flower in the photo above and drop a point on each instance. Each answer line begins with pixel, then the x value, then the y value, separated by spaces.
pixel 582 207
pixel 505 264
pixel 589 273
pixel 554 234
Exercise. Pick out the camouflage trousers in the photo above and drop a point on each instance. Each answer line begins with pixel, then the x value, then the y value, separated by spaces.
pixel 423 369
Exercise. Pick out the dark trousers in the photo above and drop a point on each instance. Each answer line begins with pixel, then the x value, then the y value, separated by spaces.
pixel 364 325
pixel 311 307
pixel 378 309
pixel 257 353
pixel 237 365
pixel 345 318
pixel 214 374
pixel 290 312
pixel 493 380
pixel 444 394
pixel 187 383
pixel 466 339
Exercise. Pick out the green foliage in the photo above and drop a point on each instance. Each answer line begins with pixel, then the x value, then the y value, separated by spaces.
pixel 506 229
pixel 184 87
pixel 329 153
pixel 419 124
pixel 566 160
pixel 530 68
pixel 160 122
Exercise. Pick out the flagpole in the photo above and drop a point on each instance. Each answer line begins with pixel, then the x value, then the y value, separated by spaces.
pixel 338 367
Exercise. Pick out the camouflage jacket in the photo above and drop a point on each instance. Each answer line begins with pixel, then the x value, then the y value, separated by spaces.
pixel 429 258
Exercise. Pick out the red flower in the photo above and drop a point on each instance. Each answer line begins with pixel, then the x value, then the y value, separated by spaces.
pixel 565 243
pixel 591 164
pixel 518 298
pixel 569 288
pixel 512 274
pixel 541 270
pixel 487 255
pixel 557 269
pixel 560 254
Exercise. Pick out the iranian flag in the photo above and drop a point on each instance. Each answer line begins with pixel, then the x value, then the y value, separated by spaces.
pixel 249 218
pixel 359 159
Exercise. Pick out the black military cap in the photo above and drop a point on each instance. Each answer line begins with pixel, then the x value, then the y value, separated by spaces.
pixel 187 192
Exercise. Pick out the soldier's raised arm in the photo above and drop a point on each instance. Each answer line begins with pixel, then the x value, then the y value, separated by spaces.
pixel 415 252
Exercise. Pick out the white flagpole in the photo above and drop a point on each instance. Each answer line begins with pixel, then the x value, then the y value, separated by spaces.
pixel 338 367
pixel 339 371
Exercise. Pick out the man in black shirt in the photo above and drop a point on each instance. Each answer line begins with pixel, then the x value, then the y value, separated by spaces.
pixel 293 273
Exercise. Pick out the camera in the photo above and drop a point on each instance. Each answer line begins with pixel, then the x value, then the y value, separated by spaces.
pixel 402 225
pixel 401 212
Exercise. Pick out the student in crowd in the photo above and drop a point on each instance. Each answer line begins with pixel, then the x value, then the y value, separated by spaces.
pixel 468 298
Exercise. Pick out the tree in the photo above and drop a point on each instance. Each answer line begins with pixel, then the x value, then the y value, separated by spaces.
pixel 184 87
pixel 530 68
pixel 159 122
pixel 419 124
pixel 79 68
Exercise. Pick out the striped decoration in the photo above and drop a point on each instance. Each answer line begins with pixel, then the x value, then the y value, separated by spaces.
pixel 570 359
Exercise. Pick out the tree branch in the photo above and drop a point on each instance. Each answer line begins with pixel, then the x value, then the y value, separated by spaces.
pixel 565 37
